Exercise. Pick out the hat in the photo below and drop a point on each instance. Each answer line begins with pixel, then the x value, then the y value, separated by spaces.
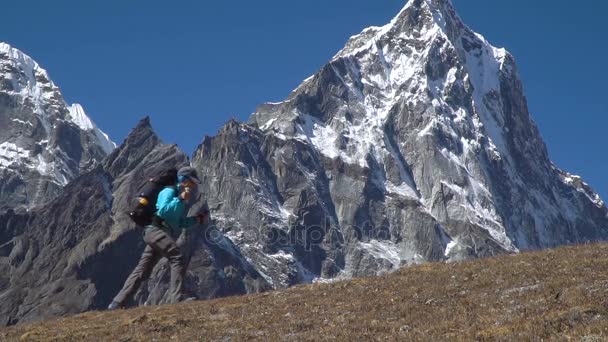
pixel 188 172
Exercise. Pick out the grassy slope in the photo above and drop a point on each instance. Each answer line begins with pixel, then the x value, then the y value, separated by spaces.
pixel 557 294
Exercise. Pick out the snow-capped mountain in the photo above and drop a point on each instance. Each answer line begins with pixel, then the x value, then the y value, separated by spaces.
pixel 414 143
pixel 44 143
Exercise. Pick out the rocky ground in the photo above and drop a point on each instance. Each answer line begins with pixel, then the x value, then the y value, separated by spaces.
pixel 551 295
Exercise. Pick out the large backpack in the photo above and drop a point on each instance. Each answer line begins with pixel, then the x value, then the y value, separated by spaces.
pixel 144 207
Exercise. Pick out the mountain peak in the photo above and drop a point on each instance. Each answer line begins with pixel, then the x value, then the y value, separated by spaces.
pixel 439 9
pixel 144 123
pixel 17 55
pixel 141 140
pixel 418 19
pixel 27 77
pixel 143 130
pixel 80 118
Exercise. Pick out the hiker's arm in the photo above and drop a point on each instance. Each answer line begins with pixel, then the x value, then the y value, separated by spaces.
pixel 168 205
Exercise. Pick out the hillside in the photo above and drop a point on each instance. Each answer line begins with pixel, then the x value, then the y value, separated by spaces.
pixel 557 294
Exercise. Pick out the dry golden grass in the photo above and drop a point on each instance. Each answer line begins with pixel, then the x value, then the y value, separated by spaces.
pixel 553 295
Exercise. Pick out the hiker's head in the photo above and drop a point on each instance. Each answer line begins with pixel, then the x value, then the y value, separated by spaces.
pixel 187 177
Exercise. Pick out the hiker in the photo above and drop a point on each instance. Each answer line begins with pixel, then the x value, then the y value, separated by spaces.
pixel 169 217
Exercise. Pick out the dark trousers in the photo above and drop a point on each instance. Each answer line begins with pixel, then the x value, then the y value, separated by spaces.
pixel 158 245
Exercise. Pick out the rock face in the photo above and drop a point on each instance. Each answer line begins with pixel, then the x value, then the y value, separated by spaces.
pixel 44 143
pixel 414 143
pixel 74 253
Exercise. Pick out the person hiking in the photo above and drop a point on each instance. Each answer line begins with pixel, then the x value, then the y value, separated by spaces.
pixel 171 215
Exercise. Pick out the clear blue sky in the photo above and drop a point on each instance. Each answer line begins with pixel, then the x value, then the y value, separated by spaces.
pixel 191 65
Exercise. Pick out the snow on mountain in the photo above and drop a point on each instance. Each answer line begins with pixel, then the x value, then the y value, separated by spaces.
pixel 82 120
pixel 11 153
